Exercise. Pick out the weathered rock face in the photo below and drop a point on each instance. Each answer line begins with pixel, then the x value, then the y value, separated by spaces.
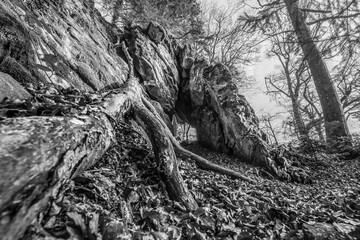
pixel 155 62
pixel 208 97
pixel 223 118
pixel 65 43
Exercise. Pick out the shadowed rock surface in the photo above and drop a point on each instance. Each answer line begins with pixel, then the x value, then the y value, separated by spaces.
pixel 223 118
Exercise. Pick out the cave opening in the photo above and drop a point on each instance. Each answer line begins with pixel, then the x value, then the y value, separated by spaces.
pixel 183 131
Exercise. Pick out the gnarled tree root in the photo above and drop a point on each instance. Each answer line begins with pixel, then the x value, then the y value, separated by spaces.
pixel 200 161
pixel 38 155
pixel 41 154
pixel 206 165
pixel 165 155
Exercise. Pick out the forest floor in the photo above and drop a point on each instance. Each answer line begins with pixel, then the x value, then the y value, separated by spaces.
pixel 122 197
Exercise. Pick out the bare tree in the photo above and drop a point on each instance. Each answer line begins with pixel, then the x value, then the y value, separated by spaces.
pixel 338 21
pixel 180 17
pixel 284 52
pixel 347 77
pixel 293 83
pixel 335 124
pixel 268 126
pixel 224 39
pixel 271 13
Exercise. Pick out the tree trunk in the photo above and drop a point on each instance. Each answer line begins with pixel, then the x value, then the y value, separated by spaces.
pixel 40 154
pixel 303 134
pixel 319 131
pixel 272 131
pixel 299 123
pixel 335 124
pixel 164 153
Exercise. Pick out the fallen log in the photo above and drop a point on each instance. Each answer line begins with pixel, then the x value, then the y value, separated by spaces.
pixel 38 155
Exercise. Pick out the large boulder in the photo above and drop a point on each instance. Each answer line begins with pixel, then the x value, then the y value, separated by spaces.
pixel 223 118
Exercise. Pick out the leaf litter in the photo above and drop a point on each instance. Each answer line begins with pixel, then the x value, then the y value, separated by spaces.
pixel 122 196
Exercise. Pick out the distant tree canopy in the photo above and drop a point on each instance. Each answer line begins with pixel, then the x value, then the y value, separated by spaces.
pixel 180 17
pixel 224 39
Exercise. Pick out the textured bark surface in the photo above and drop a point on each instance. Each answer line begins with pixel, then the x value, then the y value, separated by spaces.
pixel 335 123
pixel 38 155
pixel 165 155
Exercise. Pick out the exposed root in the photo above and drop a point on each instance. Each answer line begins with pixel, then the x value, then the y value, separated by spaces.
pixel 284 164
pixel 164 152
pixel 206 165
pixel 155 128
pixel 200 161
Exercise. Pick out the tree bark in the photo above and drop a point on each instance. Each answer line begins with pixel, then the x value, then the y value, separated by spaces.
pixel 335 124
pixel 40 154
pixel 294 95
pixel 165 155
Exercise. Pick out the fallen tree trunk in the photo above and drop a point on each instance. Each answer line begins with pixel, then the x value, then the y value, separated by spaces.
pixel 38 155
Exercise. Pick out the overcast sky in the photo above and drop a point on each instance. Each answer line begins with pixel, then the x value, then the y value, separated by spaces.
pixel 256 96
